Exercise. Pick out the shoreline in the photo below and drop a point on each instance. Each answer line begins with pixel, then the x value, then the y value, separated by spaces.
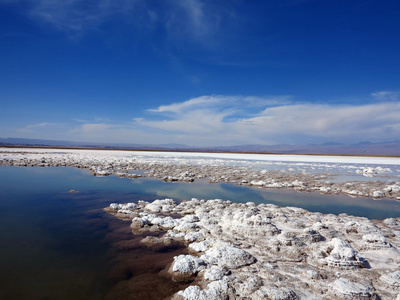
pixel 191 151
pixel 248 251
pixel 319 177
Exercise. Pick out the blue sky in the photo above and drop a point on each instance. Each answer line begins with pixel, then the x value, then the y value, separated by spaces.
pixel 201 73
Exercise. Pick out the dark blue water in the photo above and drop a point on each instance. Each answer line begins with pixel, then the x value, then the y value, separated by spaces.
pixel 61 245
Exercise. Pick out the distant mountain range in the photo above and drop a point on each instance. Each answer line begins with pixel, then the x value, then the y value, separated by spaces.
pixel 59 143
pixel 363 148
pixel 386 148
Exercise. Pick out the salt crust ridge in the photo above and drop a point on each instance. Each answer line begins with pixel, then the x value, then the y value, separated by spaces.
pixel 248 251
pixel 241 169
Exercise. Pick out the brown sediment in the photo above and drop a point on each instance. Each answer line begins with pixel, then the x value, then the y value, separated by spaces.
pixel 139 271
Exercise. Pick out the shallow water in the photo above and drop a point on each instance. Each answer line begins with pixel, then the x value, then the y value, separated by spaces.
pixel 61 245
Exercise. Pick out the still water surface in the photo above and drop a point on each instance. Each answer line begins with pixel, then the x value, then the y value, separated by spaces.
pixel 61 245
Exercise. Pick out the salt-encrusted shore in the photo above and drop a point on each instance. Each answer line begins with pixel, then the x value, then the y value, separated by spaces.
pixel 244 251
pixel 301 172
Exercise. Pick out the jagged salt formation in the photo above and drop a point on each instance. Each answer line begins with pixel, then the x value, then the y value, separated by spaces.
pixel 244 251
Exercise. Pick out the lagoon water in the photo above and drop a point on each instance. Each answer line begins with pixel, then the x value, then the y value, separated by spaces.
pixel 61 245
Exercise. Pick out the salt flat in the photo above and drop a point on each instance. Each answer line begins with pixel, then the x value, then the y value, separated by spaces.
pixel 234 156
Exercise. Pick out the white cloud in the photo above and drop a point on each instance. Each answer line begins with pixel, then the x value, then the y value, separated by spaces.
pixel 230 120
pixel 209 119
pixel 386 96
pixel 115 133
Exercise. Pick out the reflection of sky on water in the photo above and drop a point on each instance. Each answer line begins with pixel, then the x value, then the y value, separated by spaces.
pixel 342 171
pixel 64 179
pixel 336 204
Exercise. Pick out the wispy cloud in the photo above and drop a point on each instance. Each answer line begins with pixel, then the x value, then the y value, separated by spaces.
pixel 180 18
pixel 386 96
pixel 77 15
pixel 95 120
pixel 194 11
pixel 220 102
pixel 32 127
pixel 192 18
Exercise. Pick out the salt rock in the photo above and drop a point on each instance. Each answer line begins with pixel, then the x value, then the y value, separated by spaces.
pixel 298 183
pixel 216 273
pixel 203 246
pixel 193 292
pixel 219 285
pixel 319 225
pixel 218 290
pixel 165 223
pixel 369 172
pixel 341 254
pixel 310 235
pixel 124 211
pixel 325 190
pixel 288 239
pixel 391 222
pixel 352 227
pixel 186 227
pixel 274 185
pixel 128 206
pixel 392 280
pixel 231 257
pixel 346 289
pixel 375 242
pixel 250 286
pixel 115 206
pixel 194 236
pixel 165 205
pixel 258 183
pixel 378 194
pixel 174 234
pixel 311 274
pixel 190 219
pixel 394 188
pixel 137 223
pixel 275 293
pixel 200 246
pixel 185 267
